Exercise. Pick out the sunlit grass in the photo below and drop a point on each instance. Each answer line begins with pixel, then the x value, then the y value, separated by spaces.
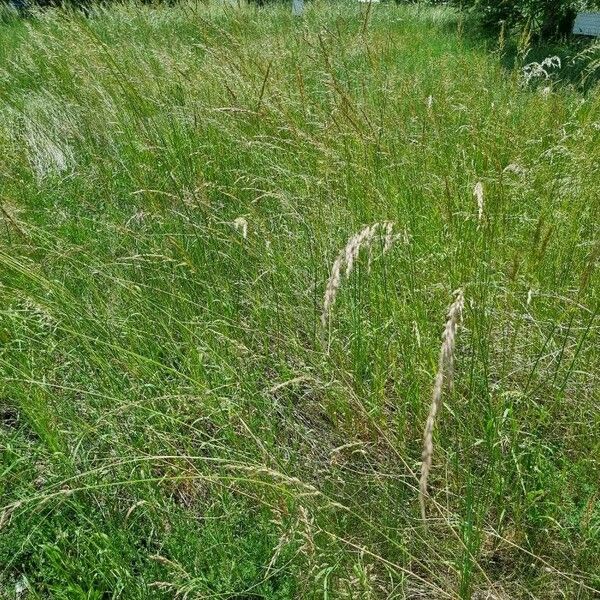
pixel 175 185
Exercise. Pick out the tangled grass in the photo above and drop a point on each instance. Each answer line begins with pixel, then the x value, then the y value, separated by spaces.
pixel 175 186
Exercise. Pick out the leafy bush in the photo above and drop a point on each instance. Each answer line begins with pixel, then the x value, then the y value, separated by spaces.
pixel 546 18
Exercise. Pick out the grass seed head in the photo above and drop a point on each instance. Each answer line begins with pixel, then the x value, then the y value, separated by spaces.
pixel 347 257
pixel 241 225
pixel 478 194
pixel 445 368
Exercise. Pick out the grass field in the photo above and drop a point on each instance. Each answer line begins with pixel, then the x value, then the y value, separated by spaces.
pixel 175 417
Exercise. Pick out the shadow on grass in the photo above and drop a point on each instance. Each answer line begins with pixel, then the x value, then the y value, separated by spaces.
pixel 579 55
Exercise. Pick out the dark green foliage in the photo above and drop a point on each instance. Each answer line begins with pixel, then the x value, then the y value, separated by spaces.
pixel 546 18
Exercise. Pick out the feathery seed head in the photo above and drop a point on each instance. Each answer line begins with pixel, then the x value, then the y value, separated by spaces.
pixel 478 193
pixel 348 256
pixel 241 225
pixel 445 368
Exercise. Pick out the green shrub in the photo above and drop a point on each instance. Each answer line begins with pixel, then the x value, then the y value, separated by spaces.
pixel 546 18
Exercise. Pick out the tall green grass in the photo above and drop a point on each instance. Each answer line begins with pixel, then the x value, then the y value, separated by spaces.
pixel 175 419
